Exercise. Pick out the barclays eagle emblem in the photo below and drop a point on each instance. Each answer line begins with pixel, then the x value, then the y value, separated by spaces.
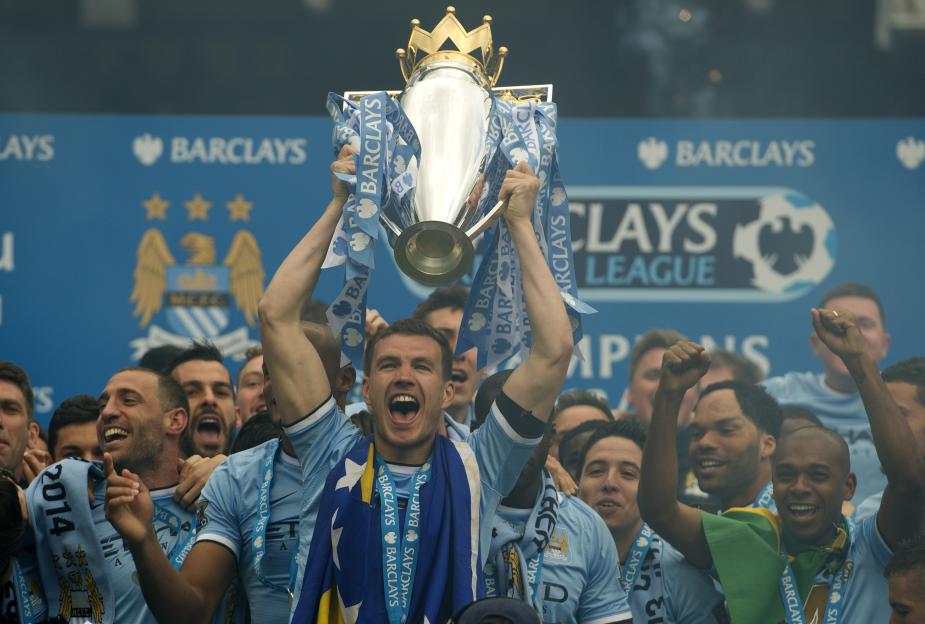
pixel 790 246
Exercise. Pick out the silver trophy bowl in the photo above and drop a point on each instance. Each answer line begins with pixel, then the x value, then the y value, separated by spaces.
pixel 449 105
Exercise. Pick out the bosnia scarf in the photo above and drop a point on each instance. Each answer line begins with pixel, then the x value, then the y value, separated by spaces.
pixel 343 579
pixel 745 544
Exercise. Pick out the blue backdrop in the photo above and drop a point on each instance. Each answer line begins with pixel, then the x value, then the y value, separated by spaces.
pixel 119 232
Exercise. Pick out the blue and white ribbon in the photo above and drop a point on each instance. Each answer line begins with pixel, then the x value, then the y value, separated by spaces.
pixel 495 318
pixel 387 150
pixel 267 472
pixel 838 582
pixel 400 545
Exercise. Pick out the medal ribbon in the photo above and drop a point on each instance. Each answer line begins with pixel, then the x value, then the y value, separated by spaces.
pixel 838 581
pixel 263 519
pixel 23 595
pixel 765 498
pixel 398 577
pixel 637 555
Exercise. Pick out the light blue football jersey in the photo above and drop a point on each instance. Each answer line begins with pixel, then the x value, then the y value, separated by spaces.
pixel 28 567
pixel 229 513
pixel 120 567
pixel 842 413
pixel 322 438
pixel 669 590
pixel 578 583
pixel 870 506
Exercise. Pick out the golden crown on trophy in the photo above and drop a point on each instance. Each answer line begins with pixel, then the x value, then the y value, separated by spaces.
pixel 428 44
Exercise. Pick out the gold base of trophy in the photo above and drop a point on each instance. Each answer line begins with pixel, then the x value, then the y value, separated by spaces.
pixel 434 253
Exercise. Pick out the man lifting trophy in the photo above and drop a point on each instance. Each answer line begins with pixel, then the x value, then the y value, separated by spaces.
pixel 430 163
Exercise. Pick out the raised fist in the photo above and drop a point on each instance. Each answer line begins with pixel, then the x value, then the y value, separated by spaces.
pixel 683 364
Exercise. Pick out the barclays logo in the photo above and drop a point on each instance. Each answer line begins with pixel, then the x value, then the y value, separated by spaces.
pixel 653 153
pixel 148 150
pixel 910 152
pixel 25 147
pixel 698 244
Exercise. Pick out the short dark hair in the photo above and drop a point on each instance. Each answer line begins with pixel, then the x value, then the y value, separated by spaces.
pixel 411 327
pixel 908 556
pixel 74 410
pixel 652 339
pixel 18 377
pixel 581 396
pixel 159 358
pixel 743 369
pixel 314 310
pixel 853 289
pixel 453 297
pixel 628 428
pixel 204 350
pixel 910 371
pixel 487 393
pixel 755 402
pixel 571 438
pixel 258 429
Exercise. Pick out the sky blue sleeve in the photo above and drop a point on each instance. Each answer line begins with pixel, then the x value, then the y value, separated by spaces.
pixel 219 513
pixel 320 440
pixel 603 599
pixel 691 593
pixel 501 454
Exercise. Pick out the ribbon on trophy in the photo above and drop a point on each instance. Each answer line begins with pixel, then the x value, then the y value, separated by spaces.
pixel 387 149
pixel 495 319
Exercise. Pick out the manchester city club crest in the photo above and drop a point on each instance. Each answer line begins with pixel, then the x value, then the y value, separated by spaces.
pixel 196 295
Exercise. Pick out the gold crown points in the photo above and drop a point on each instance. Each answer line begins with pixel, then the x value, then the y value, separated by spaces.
pixel 450 28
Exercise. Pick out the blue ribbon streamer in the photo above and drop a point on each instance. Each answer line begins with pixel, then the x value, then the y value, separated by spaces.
pixel 400 545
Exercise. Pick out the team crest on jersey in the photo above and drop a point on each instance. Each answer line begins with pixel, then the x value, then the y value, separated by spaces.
pixel 201 518
pixel 557 548
pixel 81 598
pixel 195 297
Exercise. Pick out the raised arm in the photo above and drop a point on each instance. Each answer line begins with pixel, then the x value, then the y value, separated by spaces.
pixel 535 384
pixel 901 508
pixel 291 358
pixel 190 594
pixel 682 367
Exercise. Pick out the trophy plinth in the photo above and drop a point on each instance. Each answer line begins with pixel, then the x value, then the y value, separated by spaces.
pixel 434 253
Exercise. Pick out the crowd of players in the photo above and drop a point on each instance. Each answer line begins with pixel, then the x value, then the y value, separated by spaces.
pixel 449 494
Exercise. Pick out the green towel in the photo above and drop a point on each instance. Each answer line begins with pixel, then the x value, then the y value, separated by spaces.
pixel 745 546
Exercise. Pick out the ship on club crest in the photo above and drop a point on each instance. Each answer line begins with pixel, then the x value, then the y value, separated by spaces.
pixel 196 295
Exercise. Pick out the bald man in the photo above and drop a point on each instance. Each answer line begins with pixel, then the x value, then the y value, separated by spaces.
pixel 806 562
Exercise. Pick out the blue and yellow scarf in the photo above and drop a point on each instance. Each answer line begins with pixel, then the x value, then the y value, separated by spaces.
pixel 343 579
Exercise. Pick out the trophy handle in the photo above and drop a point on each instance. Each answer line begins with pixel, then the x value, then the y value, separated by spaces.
pixel 485 222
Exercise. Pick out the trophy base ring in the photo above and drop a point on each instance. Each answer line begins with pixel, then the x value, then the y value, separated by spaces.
pixel 434 253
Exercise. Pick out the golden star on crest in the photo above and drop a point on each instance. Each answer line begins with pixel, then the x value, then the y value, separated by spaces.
pixel 197 208
pixel 239 209
pixel 156 207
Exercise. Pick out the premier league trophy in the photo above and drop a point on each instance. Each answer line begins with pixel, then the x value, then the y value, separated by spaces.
pixel 430 163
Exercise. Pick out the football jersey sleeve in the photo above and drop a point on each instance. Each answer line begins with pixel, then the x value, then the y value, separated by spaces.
pixel 216 516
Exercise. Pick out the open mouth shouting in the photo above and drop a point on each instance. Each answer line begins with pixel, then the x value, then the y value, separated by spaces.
pixel 209 432
pixel 459 376
pixel 403 410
